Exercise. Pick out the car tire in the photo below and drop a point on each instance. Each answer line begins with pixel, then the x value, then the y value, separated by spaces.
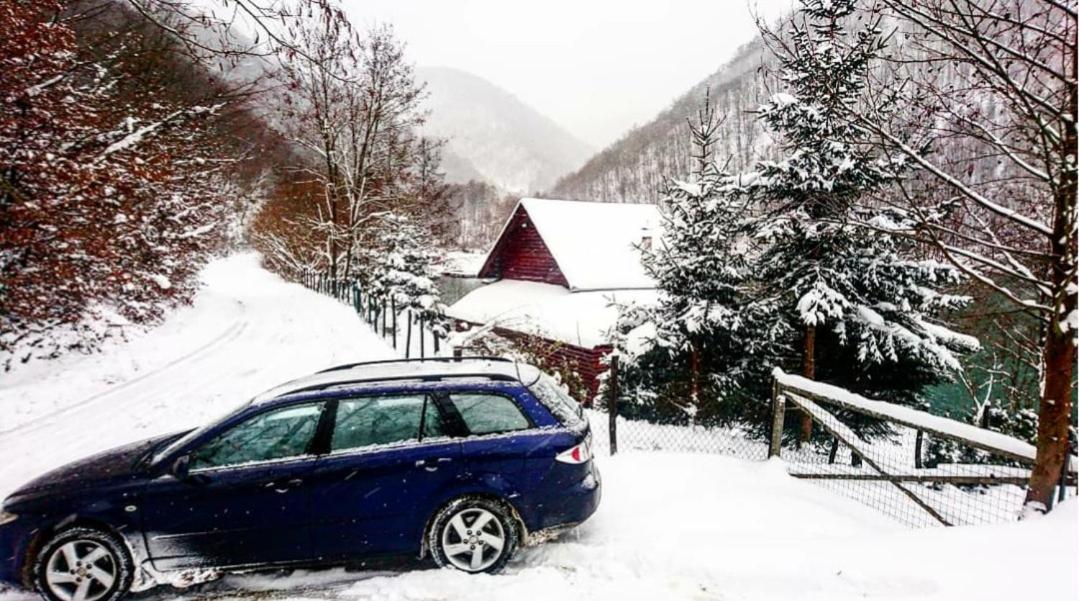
pixel 89 560
pixel 474 534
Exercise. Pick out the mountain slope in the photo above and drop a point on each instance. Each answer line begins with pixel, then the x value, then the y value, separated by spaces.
pixel 634 168
pixel 493 134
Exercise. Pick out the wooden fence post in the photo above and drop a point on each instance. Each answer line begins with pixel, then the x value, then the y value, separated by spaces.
pixel 918 449
pixel 408 335
pixel 383 317
pixel 457 352
pixel 778 410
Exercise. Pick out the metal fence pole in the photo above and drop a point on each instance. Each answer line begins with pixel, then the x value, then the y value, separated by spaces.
pixel 408 336
pixel 612 406
pixel 393 318
pixel 422 338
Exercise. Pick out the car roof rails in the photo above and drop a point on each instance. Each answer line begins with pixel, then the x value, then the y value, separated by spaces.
pixel 429 378
pixel 416 360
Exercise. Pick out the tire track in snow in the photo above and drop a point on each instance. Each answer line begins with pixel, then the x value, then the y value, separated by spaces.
pixel 230 334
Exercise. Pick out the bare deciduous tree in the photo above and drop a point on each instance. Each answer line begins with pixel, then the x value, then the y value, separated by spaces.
pixel 994 82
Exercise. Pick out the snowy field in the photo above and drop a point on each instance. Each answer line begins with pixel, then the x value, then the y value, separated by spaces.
pixel 671 526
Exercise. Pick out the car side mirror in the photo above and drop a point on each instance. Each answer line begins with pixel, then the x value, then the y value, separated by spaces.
pixel 181 467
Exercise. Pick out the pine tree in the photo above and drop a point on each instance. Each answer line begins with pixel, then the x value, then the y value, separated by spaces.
pixel 397 264
pixel 852 304
pixel 693 355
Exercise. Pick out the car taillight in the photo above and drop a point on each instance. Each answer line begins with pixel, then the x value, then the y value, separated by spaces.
pixel 576 455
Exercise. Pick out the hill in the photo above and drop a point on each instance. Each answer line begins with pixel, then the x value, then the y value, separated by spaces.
pixel 494 136
pixel 634 168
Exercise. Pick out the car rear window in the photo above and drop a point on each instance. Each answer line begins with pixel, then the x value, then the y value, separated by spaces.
pixel 485 413
pixel 558 401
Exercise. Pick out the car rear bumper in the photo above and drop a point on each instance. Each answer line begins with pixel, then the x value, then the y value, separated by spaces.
pixel 576 503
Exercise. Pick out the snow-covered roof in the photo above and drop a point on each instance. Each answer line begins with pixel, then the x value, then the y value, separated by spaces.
pixel 462 263
pixel 594 243
pixel 580 318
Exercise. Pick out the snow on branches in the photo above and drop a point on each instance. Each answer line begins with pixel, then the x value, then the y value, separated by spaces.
pixel 112 175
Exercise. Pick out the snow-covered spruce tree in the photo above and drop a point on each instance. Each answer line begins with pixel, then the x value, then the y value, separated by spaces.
pixel 855 306
pixel 695 355
pixel 396 264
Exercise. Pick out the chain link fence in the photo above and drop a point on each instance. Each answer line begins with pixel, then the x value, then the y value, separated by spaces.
pixel 933 472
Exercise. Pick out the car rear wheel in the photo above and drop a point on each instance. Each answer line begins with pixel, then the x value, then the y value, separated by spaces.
pixel 83 564
pixel 474 534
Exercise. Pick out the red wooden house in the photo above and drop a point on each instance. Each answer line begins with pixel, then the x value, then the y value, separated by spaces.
pixel 557 267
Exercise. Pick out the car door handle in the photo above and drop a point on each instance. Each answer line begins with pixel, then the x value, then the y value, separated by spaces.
pixel 284 487
pixel 431 465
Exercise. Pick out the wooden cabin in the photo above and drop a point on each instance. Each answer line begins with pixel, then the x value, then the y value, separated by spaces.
pixel 557 270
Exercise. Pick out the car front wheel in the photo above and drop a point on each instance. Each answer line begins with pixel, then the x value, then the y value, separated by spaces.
pixel 83 564
pixel 474 534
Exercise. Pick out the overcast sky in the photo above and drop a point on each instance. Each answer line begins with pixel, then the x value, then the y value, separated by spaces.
pixel 596 67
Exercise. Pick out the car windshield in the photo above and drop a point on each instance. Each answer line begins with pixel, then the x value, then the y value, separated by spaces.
pixel 179 443
pixel 555 398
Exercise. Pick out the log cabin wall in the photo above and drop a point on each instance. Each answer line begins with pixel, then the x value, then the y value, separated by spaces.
pixel 521 254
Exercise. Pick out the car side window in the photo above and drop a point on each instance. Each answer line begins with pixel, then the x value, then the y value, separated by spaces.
pixel 380 420
pixel 275 434
pixel 487 413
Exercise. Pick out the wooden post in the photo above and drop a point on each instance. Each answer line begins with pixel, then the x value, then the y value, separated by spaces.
pixel 612 406
pixel 383 317
pixel 833 450
pixel 778 410
pixel 809 370
pixel 918 449
pixel 457 353
pixel 435 341
pixel 408 335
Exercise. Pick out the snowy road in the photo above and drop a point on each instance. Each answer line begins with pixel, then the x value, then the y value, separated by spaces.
pixel 671 526
pixel 247 331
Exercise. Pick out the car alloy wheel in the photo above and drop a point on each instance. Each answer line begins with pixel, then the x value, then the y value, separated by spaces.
pixel 81 570
pixel 83 564
pixel 473 539
pixel 474 534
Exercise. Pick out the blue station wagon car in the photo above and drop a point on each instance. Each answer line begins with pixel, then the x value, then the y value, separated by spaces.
pixel 457 460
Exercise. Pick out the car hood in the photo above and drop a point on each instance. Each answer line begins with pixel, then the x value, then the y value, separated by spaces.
pixel 120 463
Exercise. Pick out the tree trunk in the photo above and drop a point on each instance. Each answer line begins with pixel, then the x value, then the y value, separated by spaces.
pixel 809 370
pixel 694 373
pixel 1054 408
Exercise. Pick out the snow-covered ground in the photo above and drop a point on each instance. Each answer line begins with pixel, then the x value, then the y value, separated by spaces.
pixel 246 331
pixel 671 526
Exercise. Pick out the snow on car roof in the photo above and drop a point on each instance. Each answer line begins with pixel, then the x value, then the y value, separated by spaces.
pixel 595 243
pixel 547 310
pixel 403 370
